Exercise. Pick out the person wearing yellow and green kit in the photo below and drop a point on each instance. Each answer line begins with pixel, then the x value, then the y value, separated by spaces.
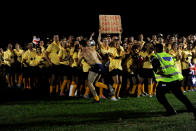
pixel 169 79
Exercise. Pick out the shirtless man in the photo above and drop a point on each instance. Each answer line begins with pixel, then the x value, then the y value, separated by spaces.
pixel 92 58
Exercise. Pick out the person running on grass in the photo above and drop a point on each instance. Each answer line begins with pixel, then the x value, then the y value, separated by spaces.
pixel 92 57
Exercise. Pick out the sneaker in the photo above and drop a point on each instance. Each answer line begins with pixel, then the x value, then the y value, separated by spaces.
pixel 150 96
pixel 62 94
pixel 118 97
pixel 113 98
pixel 86 96
pixel 19 85
pixel 138 96
pixel 94 101
pixel 102 97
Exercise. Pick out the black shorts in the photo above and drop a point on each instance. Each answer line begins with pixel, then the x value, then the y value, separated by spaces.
pixel 64 70
pixel 17 67
pixel 84 75
pixel 76 71
pixel 55 69
pixel 146 73
pixel 116 72
pixel 186 72
pixel 97 68
pixel 9 69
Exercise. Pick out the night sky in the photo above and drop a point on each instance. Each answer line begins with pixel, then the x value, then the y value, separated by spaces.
pixel 19 21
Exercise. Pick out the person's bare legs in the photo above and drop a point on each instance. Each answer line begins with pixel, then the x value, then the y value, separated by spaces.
pixel 91 79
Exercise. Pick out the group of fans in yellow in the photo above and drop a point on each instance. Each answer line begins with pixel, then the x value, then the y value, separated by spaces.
pixel 125 65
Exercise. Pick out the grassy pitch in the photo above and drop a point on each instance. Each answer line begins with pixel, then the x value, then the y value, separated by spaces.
pixel 129 114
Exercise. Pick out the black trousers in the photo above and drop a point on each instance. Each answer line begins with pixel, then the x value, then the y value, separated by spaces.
pixel 175 88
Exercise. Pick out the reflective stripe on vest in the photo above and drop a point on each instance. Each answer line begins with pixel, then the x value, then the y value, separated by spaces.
pixel 168 68
pixel 172 74
pixel 164 66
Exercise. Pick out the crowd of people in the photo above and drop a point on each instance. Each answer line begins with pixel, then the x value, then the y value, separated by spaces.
pixel 57 68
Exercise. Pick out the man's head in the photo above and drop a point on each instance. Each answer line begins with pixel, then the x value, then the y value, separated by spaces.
pixel 83 43
pixel 30 45
pixel 56 38
pixel 158 48
pixel 41 43
pixel 17 46
pixel 9 46
pixel 189 46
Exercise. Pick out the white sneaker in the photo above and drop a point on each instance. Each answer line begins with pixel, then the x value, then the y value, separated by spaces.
pixel 150 96
pixel 86 96
pixel 113 98
pixel 18 85
pixel 118 97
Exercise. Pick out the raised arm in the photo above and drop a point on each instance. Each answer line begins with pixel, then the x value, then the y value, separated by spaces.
pixel 91 37
pixel 80 58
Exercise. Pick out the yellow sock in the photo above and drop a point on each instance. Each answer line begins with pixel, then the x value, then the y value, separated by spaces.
pixel 57 88
pixel 63 86
pixel 100 91
pixel 87 91
pixel 96 98
pixel 101 85
pixel 51 89
pixel 20 80
pixel 187 88
pixel 81 86
pixel 128 86
pixel 118 92
pixel 142 88
pixel 24 83
pixel 150 89
pixel 139 89
pixel 49 80
pixel 12 81
pixel 29 81
pixel 115 87
pixel 182 89
pixel 133 89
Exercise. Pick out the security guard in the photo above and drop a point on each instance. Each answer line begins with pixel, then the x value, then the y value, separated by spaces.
pixel 169 80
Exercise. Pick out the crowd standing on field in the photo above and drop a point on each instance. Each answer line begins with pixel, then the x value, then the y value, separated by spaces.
pixel 57 68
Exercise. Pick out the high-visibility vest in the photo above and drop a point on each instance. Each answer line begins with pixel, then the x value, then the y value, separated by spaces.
pixel 167 67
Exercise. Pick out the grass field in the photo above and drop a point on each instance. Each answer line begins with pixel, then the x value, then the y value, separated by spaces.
pixel 80 114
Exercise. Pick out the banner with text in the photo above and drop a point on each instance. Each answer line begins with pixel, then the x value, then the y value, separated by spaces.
pixel 110 23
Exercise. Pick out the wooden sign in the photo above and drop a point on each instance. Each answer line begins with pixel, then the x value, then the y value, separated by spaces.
pixel 110 23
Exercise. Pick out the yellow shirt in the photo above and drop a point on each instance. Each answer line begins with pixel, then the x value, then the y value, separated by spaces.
pixel 1 58
pixel 115 63
pixel 146 64
pixel 63 53
pixel 53 50
pixel 19 54
pixel 104 50
pixel 129 63
pixel 177 62
pixel 186 56
pixel 8 57
pixel 85 66
pixel 30 57
pixel 43 49
pixel 74 57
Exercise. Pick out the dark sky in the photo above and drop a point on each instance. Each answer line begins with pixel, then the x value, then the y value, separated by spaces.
pixel 19 21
